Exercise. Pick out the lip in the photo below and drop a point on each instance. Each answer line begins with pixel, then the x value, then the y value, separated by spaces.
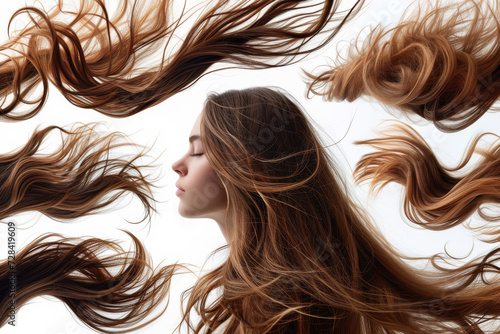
pixel 179 190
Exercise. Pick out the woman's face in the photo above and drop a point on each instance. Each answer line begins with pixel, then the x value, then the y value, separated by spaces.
pixel 200 191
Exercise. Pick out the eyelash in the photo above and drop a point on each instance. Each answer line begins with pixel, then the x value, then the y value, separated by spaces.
pixel 196 155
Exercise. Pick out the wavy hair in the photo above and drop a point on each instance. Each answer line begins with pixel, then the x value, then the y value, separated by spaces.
pixel 442 64
pixel 97 61
pixel 434 196
pixel 81 177
pixel 111 293
pixel 303 257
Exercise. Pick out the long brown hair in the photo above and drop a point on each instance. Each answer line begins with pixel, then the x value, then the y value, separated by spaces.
pixel 435 197
pixel 111 293
pixel 86 173
pixel 441 63
pixel 81 177
pixel 303 257
pixel 100 62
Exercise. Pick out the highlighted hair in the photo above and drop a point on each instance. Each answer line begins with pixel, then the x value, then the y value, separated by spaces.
pixel 442 64
pixel 96 61
pixel 78 179
pixel 109 293
pixel 434 197
pixel 303 257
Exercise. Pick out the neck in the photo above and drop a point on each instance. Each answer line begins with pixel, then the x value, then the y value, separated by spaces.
pixel 223 223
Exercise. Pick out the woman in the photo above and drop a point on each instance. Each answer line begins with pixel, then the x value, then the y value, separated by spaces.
pixel 303 258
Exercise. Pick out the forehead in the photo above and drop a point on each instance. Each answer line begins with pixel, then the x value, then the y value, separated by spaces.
pixel 196 126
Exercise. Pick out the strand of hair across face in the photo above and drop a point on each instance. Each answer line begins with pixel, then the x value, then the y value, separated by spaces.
pixel 78 179
pixel 441 63
pixel 434 197
pixel 109 293
pixel 94 60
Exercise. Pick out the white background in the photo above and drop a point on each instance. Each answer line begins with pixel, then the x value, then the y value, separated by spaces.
pixel 170 238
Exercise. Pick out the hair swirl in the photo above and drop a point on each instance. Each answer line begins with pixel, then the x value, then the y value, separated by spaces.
pixel 109 293
pixel 442 64
pixel 435 197
pixel 79 178
pixel 100 62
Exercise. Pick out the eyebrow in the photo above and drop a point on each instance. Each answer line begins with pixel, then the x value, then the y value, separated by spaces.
pixel 193 138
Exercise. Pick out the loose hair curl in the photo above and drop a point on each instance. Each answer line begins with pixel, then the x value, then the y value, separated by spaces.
pixel 435 197
pixel 442 64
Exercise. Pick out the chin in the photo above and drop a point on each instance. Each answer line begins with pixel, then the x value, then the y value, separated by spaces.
pixel 187 213
pixel 190 212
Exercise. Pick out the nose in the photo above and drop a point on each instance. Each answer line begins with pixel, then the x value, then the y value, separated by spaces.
pixel 179 167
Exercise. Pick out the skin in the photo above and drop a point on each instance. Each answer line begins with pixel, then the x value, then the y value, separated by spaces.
pixel 201 192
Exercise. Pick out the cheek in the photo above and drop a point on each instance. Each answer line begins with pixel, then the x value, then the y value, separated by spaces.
pixel 207 193
pixel 214 190
pixel 206 180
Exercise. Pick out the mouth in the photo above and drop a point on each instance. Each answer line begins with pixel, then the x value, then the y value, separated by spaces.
pixel 179 190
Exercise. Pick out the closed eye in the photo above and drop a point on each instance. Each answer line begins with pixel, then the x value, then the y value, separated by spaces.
pixel 196 155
